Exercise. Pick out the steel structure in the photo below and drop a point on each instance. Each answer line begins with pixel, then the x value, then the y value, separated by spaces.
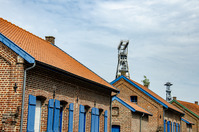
pixel 168 91
pixel 122 66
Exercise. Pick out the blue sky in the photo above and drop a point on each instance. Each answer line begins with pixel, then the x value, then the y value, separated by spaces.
pixel 163 35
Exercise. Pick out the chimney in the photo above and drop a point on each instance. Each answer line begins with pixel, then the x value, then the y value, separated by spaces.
pixel 50 39
pixel 175 98
pixel 196 102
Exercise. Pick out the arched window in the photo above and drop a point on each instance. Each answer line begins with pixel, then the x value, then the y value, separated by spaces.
pixel 62 106
pixel 34 112
pixel 165 125
pixel 174 127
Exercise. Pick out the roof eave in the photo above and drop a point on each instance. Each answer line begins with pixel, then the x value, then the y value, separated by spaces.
pixel 17 49
pixel 117 79
pixel 50 67
pixel 184 107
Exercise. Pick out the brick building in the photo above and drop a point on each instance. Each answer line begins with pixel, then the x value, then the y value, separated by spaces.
pixel 164 116
pixel 191 119
pixel 44 89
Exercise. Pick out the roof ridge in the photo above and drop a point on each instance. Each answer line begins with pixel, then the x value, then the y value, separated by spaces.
pixel 24 30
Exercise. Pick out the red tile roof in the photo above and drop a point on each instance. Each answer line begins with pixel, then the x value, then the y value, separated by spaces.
pixel 191 106
pixel 135 106
pixel 157 97
pixel 45 52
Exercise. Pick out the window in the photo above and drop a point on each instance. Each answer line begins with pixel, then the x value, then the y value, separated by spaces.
pixel 115 111
pixel 60 118
pixel 134 99
pixel 34 113
pixel 37 116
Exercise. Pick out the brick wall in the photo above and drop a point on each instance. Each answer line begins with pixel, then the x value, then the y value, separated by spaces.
pixel 41 82
pixel 11 72
pixel 190 117
pixel 155 122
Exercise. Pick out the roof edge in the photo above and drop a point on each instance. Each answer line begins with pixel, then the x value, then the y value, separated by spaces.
pixel 123 103
pixel 74 75
pixel 128 106
pixel 184 107
pixel 186 121
pixel 135 85
pixel 17 49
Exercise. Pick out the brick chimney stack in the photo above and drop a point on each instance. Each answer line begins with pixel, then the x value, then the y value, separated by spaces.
pixel 50 39
pixel 175 98
pixel 196 102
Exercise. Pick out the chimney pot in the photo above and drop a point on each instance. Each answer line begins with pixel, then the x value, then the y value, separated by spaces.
pixel 50 39
pixel 175 98
pixel 196 102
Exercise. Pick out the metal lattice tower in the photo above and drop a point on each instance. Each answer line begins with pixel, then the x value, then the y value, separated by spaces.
pixel 168 91
pixel 122 66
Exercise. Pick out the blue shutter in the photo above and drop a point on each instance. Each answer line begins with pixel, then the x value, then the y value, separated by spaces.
pixel 93 119
pixel 179 127
pixel 164 125
pixel 31 113
pixel 56 116
pixel 96 120
pixel 105 120
pixel 176 127
pixel 81 118
pixel 50 115
pixel 70 122
pixel 171 126
pixel 168 126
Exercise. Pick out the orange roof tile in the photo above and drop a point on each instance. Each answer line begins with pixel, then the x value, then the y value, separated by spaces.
pixel 45 52
pixel 191 106
pixel 135 106
pixel 157 96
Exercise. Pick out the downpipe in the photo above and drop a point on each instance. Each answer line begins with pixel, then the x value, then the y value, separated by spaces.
pixel 23 95
pixel 141 122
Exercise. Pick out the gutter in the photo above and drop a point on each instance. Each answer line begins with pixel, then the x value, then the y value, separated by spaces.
pixel 141 122
pixel 23 95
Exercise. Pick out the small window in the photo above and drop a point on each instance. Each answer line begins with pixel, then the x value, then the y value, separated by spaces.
pixel 115 111
pixel 134 99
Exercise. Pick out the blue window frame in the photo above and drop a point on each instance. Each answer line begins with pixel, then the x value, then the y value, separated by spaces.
pixel 134 99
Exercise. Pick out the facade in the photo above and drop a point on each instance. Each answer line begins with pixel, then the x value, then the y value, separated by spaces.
pixel 164 116
pixel 129 116
pixel 44 89
pixel 191 118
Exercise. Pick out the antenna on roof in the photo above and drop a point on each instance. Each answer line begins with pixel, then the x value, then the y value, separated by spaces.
pixel 168 91
pixel 122 66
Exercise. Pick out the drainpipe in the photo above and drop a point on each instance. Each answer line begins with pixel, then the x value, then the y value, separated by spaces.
pixel 141 122
pixel 23 95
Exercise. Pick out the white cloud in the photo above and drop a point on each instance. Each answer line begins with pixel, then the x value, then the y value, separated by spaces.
pixel 163 36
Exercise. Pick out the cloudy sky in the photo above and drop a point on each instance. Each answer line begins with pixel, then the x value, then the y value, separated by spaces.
pixel 163 35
